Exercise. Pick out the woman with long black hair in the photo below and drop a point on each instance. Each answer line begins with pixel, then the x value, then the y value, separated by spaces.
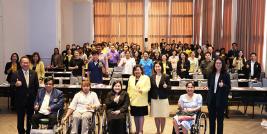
pixel 219 86
pixel 117 102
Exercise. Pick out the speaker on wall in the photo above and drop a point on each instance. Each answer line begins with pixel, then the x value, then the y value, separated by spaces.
pixel 146 39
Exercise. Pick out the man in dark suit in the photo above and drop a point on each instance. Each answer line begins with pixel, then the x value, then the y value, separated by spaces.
pixel 49 100
pixel 253 67
pixel 232 53
pixel 167 51
pixel 25 82
pixel 162 44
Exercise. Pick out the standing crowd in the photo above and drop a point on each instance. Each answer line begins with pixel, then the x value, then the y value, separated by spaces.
pixel 149 79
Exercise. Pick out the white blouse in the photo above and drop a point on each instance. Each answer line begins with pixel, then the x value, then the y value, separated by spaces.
pixel 173 60
pixel 217 75
pixel 81 101
pixel 158 77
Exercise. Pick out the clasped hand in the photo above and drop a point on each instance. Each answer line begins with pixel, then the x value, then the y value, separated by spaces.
pixel 116 112
pixel 91 107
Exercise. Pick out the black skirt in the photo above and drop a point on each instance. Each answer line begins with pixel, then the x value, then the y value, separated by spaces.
pixel 139 110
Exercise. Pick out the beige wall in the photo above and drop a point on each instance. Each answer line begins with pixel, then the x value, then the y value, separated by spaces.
pixel 27 26
pixel 67 22
pixel 77 21
pixel 15 30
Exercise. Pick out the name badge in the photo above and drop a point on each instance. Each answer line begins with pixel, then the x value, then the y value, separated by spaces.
pixel 55 100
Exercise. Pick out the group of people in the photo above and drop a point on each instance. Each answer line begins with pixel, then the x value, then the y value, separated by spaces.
pixel 178 60
pixel 150 78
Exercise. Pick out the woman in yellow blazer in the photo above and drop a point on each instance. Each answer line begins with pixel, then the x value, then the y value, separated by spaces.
pixel 138 87
pixel 38 66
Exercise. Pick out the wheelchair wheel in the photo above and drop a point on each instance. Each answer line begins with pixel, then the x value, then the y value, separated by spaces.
pixel 104 123
pixel 95 124
pixel 128 123
pixel 66 127
pixel 58 128
pixel 201 124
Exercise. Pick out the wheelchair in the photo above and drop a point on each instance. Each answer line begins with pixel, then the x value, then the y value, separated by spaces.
pixel 94 124
pixel 200 125
pixel 105 122
pixel 43 124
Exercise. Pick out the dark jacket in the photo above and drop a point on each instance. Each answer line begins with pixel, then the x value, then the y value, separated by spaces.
pixel 56 101
pixel 25 95
pixel 76 62
pixel 159 92
pixel 257 70
pixel 220 98
pixel 122 105
pixel 9 74
pixel 186 65
pixel 95 72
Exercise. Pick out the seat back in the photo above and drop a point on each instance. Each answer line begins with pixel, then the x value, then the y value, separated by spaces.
pixel 264 82
pixel 255 84
pixel 262 75
pixel 182 83
pixel 234 83
pixel 117 69
pixel 233 76
pixel 198 76
pixel 202 83
pixel 116 75
pixel 112 80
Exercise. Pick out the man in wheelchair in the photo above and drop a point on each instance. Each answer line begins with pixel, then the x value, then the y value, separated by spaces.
pixel 189 105
pixel 82 107
pixel 47 104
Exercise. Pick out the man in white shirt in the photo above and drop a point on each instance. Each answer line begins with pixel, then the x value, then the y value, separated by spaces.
pixel 127 63
pixel 49 100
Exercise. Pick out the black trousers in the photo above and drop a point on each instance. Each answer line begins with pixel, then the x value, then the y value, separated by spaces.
pixel 216 113
pixel 21 111
pixel 12 97
pixel 37 116
pixel 117 126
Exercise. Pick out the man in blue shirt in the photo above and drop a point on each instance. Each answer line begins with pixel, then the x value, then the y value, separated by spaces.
pixel 96 68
